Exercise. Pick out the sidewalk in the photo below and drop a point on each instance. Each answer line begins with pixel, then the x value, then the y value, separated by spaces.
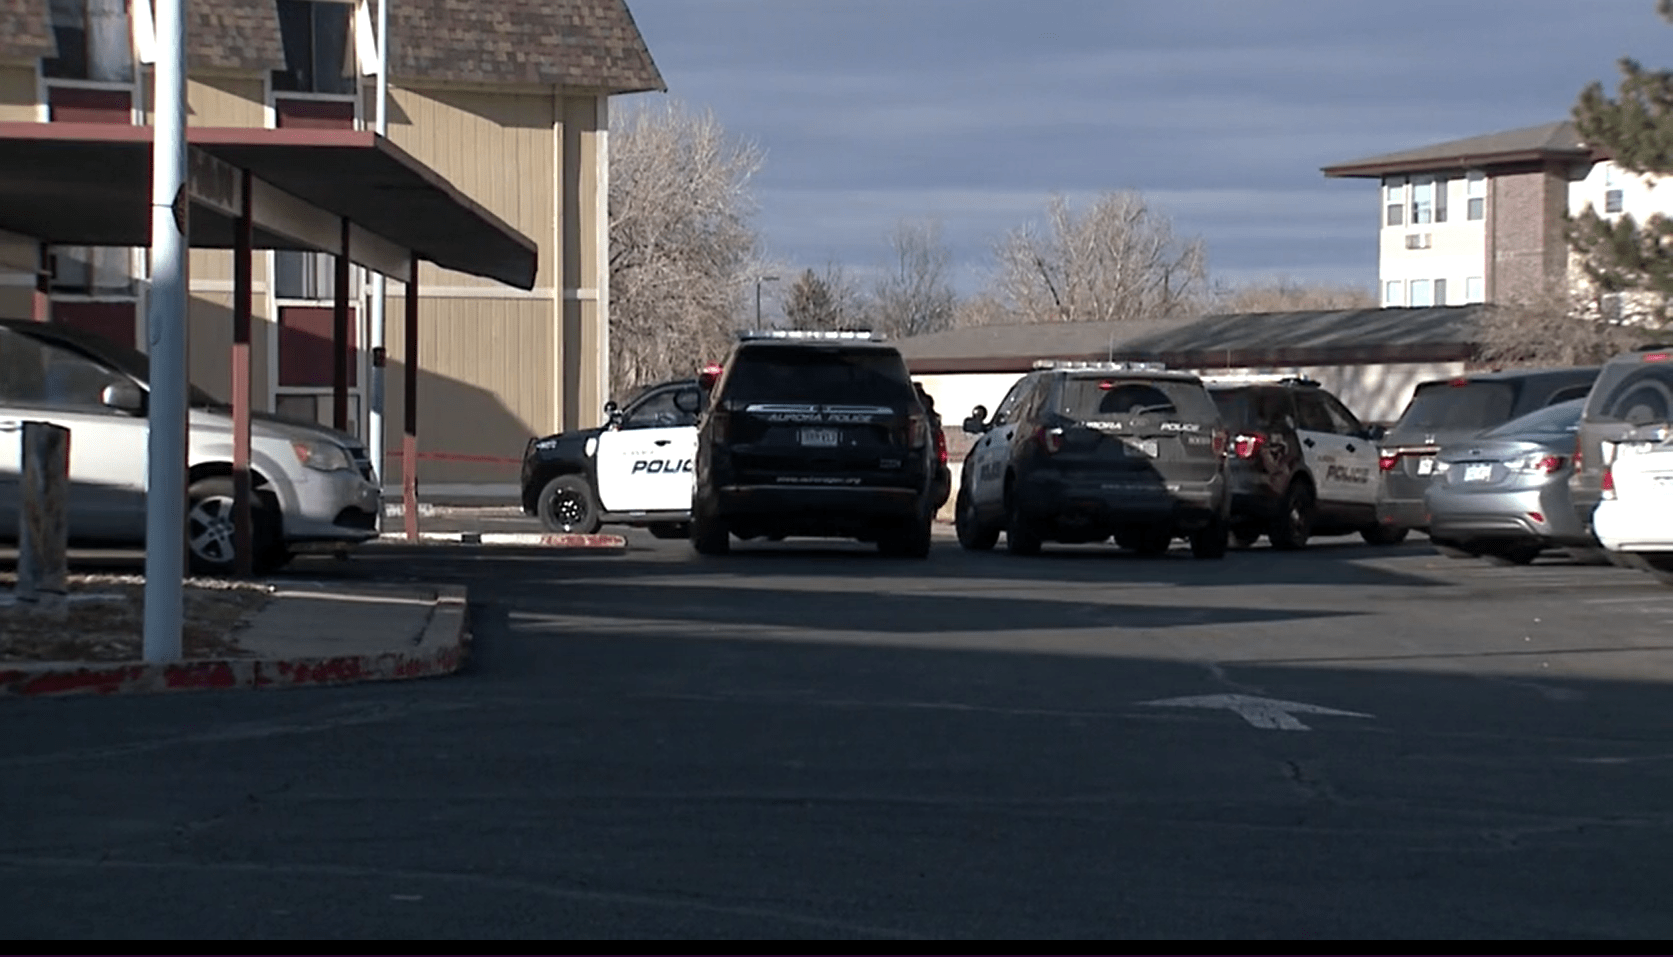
pixel 307 635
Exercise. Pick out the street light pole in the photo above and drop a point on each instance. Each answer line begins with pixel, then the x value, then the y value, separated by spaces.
pixel 759 280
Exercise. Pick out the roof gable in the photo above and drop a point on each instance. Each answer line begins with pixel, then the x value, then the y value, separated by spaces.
pixel 1558 140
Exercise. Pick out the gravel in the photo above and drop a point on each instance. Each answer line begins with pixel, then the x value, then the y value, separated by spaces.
pixel 102 617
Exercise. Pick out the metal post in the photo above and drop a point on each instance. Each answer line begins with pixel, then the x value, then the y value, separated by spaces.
pixel 243 290
pixel 409 441
pixel 340 336
pixel 165 330
pixel 43 528
pixel 374 419
pixel 40 302
pixel 758 282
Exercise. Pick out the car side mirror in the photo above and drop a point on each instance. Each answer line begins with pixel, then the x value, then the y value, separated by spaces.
pixel 978 421
pixel 1375 433
pixel 612 414
pixel 123 396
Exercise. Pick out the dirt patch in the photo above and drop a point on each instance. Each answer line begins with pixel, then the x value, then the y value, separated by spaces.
pixel 103 619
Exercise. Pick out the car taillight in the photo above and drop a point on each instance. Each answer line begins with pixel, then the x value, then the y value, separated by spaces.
pixel 1221 437
pixel 1579 459
pixel 917 431
pixel 1051 440
pixel 1388 460
pixel 1608 481
pixel 720 424
pixel 1536 462
pixel 941 446
pixel 1249 445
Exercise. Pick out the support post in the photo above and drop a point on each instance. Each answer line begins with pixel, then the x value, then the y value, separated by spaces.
pixel 375 440
pixel 409 440
pixel 43 528
pixel 40 301
pixel 243 292
pixel 340 337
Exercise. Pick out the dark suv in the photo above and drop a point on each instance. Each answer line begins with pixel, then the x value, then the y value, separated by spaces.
pixel 1633 389
pixel 1450 410
pixel 1302 464
pixel 1081 452
pixel 818 434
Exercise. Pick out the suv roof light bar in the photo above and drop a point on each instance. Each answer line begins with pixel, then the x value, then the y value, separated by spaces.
pixel 1077 365
pixel 844 334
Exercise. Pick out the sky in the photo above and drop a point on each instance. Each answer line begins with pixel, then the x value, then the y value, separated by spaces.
pixel 973 113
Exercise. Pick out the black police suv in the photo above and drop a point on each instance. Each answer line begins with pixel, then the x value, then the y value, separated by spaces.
pixel 1080 452
pixel 1301 463
pixel 818 434
pixel 633 470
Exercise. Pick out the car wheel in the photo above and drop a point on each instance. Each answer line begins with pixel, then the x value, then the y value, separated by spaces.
pixel 971 535
pixel 709 536
pixel 1020 536
pixel 1383 534
pixel 1513 555
pixel 1295 517
pixel 1148 542
pixel 567 505
pixel 670 530
pixel 913 541
pixel 211 529
pixel 1245 536
pixel 1210 541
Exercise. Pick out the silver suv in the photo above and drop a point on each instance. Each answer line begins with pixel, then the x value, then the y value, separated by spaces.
pixel 313 487
pixel 1634 389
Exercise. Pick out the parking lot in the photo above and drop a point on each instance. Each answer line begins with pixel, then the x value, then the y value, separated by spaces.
pixel 808 740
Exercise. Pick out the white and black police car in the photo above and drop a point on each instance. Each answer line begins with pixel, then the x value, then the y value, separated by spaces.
pixel 636 469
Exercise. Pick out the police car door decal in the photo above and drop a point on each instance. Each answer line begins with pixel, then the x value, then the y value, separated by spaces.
pixel 1321 448
pixel 646 470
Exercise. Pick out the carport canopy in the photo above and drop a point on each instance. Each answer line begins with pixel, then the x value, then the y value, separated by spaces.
pixel 89 184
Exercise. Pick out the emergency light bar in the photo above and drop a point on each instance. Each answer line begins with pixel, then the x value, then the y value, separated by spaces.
pixel 1276 378
pixel 825 334
pixel 1080 366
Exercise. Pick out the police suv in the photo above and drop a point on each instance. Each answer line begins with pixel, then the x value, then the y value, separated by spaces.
pixel 636 469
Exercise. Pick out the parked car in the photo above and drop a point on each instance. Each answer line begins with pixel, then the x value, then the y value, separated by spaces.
pixel 313 486
pixel 1633 390
pixel 1081 452
pixel 1634 518
pixel 820 434
pixel 1301 463
pixel 633 470
pixel 943 471
pixel 1443 411
pixel 1503 495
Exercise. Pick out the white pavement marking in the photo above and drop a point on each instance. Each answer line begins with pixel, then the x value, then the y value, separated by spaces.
pixel 1269 713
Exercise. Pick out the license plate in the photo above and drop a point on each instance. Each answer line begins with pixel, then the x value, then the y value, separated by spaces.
pixel 1143 446
pixel 1425 466
pixel 819 438
pixel 1479 472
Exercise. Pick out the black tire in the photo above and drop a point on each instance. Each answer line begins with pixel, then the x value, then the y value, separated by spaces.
pixel 1451 549
pixel 1584 555
pixel 567 505
pixel 709 536
pixel 1149 542
pixel 1294 524
pixel 1020 536
pixel 210 530
pixel 1245 536
pixel 971 535
pixel 912 541
pixel 1513 555
pixel 670 530
pixel 1209 542
pixel 1383 534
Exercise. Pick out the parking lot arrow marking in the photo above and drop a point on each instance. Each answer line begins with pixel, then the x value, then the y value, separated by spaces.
pixel 1269 713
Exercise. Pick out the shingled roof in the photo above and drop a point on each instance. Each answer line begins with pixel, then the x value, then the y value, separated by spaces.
pixel 1558 140
pixel 24 34
pixel 592 45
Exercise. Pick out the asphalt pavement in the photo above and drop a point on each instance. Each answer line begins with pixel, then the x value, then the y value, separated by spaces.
pixel 809 741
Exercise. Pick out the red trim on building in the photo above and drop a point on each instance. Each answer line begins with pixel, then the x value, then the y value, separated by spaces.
pixel 117 321
pixel 74 104
pixel 313 114
pixel 305 353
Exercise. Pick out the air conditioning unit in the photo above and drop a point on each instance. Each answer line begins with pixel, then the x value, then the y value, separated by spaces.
pixel 1417 240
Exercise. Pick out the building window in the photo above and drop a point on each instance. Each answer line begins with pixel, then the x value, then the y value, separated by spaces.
pixel 92 270
pixel 319 47
pixel 1392 294
pixel 1421 296
pixel 1611 188
pixel 1475 290
pixel 95 41
pixel 1475 192
pixel 1440 292
pixel 1394 200
pixel 1423 200
pixel 304 275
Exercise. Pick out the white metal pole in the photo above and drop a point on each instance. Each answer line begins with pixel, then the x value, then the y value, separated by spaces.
pixel 375 420
pixel 165 325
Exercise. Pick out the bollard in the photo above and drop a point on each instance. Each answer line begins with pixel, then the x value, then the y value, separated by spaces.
pixel 43 526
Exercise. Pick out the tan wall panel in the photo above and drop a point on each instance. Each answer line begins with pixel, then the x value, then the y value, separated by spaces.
pixel 485 386
pixel 225 101
pixel 209 333
pixel 17 302
pixel 19 95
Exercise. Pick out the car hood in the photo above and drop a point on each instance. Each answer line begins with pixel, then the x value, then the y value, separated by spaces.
pixel 273 426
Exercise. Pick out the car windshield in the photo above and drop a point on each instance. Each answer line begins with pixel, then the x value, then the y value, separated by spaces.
pixel 1638 391
pixel 1559 419
pixel 129 361
pixel 828 375
pixel 1089 398
pixel 1445 406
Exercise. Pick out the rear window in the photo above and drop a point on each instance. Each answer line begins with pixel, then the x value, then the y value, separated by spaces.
pixel 1089 398
pixel 826 375
pixel 1564 417
pixel 1635 392
pixel 1438 406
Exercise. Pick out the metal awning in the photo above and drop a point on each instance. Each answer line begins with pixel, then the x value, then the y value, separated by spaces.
pixel 90 184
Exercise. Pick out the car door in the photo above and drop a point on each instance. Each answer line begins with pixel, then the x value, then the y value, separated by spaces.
pixel 1323 448
pixel 645 463
pixel 992 452
pixel 11 469
pixel 1356 470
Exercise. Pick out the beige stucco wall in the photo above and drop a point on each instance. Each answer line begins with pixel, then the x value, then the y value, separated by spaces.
pixel 19 94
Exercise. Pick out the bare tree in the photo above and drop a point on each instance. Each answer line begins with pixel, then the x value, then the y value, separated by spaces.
pixel 1284 295
pixel 982 309
pixel 682 248
pixel 915 296
pixel 1118 262
pixel 1551 329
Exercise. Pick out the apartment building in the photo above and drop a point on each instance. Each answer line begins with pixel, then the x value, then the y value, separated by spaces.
pixel 1482 219
pixel 507 99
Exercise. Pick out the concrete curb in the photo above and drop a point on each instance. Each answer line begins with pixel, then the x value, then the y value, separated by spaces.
pixel 426 509
pixel 522 539
pixel 441 649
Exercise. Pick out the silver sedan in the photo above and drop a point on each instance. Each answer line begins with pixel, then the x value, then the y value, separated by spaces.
pixel 1503 495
